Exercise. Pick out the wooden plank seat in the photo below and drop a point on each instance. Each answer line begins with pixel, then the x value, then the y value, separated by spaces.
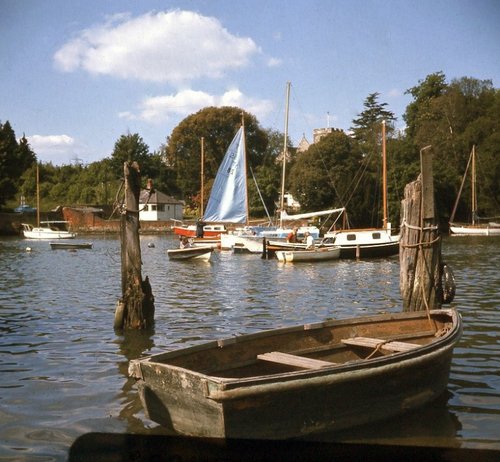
pixel 388 345
pixel 294 360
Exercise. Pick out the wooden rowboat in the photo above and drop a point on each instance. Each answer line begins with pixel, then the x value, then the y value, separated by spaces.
pixel 295 381
pixel 199 252
pixel 317 254
pixel 70 245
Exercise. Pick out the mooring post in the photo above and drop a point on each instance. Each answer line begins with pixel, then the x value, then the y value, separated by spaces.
pixel 420 243
pixel 135 310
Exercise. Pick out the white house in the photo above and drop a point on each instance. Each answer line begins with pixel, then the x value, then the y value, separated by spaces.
pixel 290 202
pixel 159 207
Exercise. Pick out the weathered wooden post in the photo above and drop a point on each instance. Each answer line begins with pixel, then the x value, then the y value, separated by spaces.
pixel 135 310
pixel 420 244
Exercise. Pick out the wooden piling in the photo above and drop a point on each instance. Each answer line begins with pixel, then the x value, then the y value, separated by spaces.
pixel 420 243
pixel 135 310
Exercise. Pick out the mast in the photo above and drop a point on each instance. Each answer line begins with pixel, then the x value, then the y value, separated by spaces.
pixel 285 151
pixel 202 175
pixel 37 196
pixel 473 185
pixel 245 162
pixel 384 178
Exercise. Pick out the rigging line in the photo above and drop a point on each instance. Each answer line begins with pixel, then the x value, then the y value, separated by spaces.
pixel 332 183
pixel 360 172
pixel 361 175
pixel 260 195
pixel 117 204
pixel 302 112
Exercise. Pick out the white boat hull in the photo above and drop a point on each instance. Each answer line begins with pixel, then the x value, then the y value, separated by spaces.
pixel 252 241
pixel 475 230
pixel 43 232
pixel 191 253
pixel 318 254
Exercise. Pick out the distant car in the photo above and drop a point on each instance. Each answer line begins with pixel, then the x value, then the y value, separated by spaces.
pixel 25 209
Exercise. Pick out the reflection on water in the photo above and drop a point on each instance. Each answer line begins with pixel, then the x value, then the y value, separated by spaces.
pixel 64 369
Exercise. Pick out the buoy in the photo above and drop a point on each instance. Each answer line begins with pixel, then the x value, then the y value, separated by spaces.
pixel 28 249
pixel 150 245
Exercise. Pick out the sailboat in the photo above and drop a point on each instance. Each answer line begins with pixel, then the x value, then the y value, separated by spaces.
pixel 250 239
pixel 228 202
pixel 45 229
pixel 474 228
pixel 202 232
pixel 282 231
pixel 372 242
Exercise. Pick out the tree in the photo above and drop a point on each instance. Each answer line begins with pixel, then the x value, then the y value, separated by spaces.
pixel 367 130
pixel 418 110
pixel 328 175
pixel 9 171
pixel 25 157
pixel 131 148
pixel 453 117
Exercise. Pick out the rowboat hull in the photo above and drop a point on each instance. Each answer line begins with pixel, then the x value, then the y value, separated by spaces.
pixel 318 254
pixel 70 245
pixel 469 230
pixel 191 253
pixel 296 381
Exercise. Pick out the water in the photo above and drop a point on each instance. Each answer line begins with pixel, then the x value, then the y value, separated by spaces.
pixel 64 369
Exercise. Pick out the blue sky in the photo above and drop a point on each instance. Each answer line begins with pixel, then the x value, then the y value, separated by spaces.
pixel 75 76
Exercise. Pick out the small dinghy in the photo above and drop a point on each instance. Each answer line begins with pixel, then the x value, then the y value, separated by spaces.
pixel 189 253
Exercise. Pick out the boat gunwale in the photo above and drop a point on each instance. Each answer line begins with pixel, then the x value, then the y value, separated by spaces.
pixel 224 386
pixel 337 373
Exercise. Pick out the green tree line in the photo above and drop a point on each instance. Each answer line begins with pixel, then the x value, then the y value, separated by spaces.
pixel 342 169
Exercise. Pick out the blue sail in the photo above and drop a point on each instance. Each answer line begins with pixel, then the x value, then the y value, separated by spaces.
pixel 228 199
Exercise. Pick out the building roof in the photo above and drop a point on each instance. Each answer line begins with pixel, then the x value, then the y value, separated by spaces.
pixel 157 198
pixel 303 144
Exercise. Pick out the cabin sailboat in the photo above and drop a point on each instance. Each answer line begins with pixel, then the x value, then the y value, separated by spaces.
pixel 250 239
pixel 474 228
pixel 45 229
pixel 372 242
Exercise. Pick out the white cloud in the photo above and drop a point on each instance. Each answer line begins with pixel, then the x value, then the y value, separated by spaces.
pixel 274 62
pixel 159 108
pixel 52 142
pixel 57 149
pixel 174 47
pixel 394 93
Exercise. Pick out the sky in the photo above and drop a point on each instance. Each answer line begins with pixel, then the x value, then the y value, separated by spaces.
pixel 75 76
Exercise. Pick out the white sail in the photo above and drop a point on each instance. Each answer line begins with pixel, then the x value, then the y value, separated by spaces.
pixel 228 199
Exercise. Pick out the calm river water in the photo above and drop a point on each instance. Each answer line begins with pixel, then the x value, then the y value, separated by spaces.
pixel 63 369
